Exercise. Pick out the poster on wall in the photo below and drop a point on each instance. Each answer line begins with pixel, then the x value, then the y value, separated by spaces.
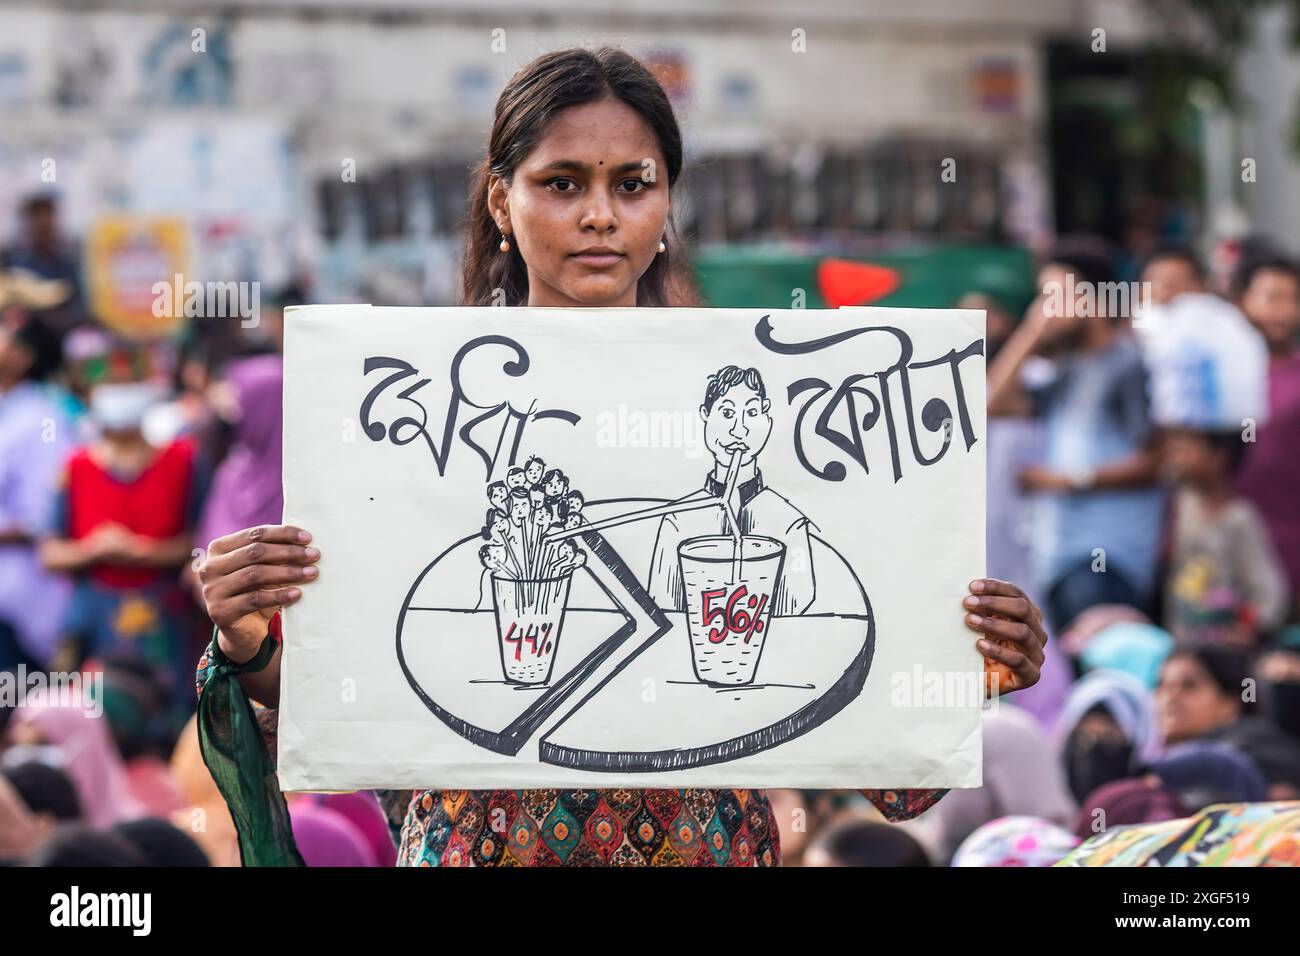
pixel 127 257
pixel 638 547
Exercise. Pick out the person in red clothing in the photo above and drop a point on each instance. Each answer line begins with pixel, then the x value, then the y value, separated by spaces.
pixel 123 527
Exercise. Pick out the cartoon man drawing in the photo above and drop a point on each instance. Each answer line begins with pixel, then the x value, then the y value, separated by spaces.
pixel 737 415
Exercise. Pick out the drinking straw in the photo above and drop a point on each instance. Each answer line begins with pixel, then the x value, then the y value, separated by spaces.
pixel 733 473
pixel 672 507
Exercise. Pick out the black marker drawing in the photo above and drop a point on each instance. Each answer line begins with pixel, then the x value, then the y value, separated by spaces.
pixel 536 614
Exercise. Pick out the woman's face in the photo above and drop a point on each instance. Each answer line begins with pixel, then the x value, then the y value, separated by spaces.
pixel 1188 702
pixel 587 208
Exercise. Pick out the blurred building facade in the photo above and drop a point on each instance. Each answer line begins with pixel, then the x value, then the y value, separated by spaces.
pixel 335 137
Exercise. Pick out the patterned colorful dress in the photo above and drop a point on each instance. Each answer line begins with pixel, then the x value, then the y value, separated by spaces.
pixel 547 827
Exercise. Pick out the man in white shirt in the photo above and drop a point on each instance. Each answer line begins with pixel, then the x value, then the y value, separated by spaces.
pixel 737 416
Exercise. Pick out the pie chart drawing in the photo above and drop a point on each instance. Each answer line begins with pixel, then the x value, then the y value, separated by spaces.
pixel 621 662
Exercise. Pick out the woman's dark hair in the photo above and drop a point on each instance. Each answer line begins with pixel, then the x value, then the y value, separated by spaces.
pixel 45 789
pixel 80 845
pixel 1087 257
pixel 1232 446
pixel 533 97
pixel 1226 668
pixel 868 843
pixel 1177 252
pixel 160 843
pixel 1251 266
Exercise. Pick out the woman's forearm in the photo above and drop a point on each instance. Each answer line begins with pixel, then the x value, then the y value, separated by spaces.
pixel 1136 471
pixel 64 554
pixel 1005 395
pixel 166 552
pixel 264 686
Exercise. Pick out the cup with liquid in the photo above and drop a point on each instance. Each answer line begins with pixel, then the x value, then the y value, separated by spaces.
pixel 728 614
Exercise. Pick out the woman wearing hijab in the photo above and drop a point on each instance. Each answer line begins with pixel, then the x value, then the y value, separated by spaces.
pixel 1107 730
pixel 90 756
pixel 1199 697
pixel 1201 773
pixel 246 487
pixel 1126 802
pixel 1022 777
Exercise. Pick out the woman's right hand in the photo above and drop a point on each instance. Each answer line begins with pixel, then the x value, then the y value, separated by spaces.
pixel 248 577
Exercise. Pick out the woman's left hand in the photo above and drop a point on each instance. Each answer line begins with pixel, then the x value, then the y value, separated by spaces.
pixel 1011 629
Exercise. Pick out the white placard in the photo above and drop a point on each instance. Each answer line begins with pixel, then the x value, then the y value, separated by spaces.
pixel 739 563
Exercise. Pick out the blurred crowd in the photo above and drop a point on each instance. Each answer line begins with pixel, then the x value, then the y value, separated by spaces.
pixel 1143 481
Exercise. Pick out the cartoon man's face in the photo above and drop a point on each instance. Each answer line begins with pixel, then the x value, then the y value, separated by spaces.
pixel 499 526
pixel 533 471
pixel 556 486
pixel 518 508
pixel 515 478
pixel 496 555
pixel 497 494
pixel 739 419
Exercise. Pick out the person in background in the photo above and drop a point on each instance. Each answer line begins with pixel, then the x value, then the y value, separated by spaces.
pixel 1107 731
pixel 1201 773
pixel 1014 443
pixel 1170 271
pixel 160 843
pixel 1129 647
pixel 46 790
pixel 1199 697
pixel 855 839
pixel 44 252
pixel 1022 777
pixel 90 757
pixel 1072 364
pixel 246 488
pixel 80 846
pixel 35 438
pixel 1015 841
pixel 1279 679
pixel 1225 582
pixel 137 707
pixel 1269 294
pixel 1124 802
pixel 123 527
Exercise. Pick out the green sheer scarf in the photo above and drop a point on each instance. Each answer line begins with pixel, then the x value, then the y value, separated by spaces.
pixel 237 758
